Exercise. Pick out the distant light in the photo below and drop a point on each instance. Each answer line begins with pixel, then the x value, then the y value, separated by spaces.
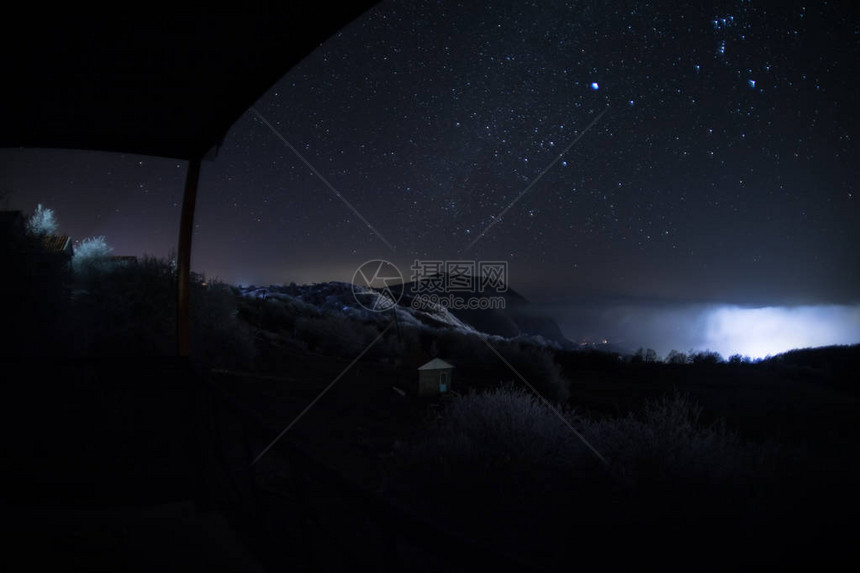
pixel 751 83
pixel 595 86
pixel 631 103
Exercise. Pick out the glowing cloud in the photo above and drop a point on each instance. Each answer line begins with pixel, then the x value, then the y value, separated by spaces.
pixel 723 328
pixel 758 332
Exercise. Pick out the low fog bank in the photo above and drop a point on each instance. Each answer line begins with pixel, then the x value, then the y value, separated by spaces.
pixel 728 329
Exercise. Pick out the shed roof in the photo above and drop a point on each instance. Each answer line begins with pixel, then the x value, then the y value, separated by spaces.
pixel 56 243
pixel 436 364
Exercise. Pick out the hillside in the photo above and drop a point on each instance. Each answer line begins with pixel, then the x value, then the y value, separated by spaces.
pixel 515 319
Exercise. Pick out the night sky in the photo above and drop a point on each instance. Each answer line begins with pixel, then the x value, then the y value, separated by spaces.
pixel 722 171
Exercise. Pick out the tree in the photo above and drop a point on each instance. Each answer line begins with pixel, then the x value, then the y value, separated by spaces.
pixel 675 357
pixel 42 222
pixel 647 355
pixel 706 357
pixel 739 359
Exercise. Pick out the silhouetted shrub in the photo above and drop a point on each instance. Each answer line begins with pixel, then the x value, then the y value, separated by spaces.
pixel 538 367
pixel 91 256
pixel 491 441
pixel 35 291
pixel 218 338
pixel 276 315
pixel 665 442
pixel 125 310
pixel 477 358
pixel 675 357
pixel 705 357
pixel 464 348
pixel 332 334
pixel 484 445
pixel 644 355
pixel 574 361
pixel 130 309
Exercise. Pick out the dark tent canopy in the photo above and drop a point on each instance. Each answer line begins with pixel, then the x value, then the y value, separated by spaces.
pixel 167 81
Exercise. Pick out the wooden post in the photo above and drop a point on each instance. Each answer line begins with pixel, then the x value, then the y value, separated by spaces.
pixel 183 287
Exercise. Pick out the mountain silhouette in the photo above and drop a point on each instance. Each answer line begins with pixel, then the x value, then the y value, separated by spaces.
pixel 495 309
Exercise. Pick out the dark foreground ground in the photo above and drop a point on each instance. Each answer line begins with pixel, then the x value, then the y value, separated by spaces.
pixel 143 464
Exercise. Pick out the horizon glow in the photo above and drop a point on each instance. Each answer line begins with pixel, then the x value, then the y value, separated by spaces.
pixel 759 332
pixel 729 329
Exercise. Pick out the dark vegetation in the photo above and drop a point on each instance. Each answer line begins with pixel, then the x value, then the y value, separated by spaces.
pixel 708 461
pixel 106 308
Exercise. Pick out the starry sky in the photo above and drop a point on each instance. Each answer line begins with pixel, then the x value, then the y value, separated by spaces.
pixel 616 155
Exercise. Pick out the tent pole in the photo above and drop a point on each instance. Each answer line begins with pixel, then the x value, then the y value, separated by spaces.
pixel 183 287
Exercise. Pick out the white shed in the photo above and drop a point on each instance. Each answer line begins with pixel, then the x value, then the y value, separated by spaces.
pixel 434 377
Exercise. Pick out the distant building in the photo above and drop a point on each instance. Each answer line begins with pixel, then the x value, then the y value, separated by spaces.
pixel 58 244
pixel 434 378
pixel 13 226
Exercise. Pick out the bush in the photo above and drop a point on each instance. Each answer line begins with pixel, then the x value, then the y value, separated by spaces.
pixel 675 357
pixel 706 357
pixel 476 355
pixel 333 334
pixel 537 365
pixel 218 337
pixel 91 256
pixel 125 311
pixel 643 355
pixel 507 434
pixel 503 427
pixel 35 295
pixel 504 457
pixel 131 310
pixel 665 442
pixel 739 359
